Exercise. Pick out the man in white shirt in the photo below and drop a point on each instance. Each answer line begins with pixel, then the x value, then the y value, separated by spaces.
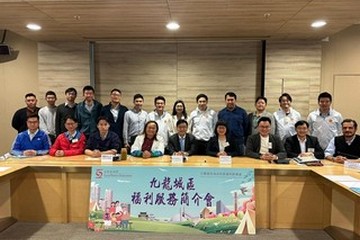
pixel 47 115
pixel 285 118
pixel 325 122
pixel 162 118
pixel 134 121
pixel 202 123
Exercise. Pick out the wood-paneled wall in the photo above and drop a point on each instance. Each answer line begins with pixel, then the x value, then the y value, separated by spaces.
pixel 293 67
pixel 179 71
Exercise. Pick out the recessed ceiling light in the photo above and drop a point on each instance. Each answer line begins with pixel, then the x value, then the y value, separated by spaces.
pixel 172 26
pixel 318 24
pixel 33 27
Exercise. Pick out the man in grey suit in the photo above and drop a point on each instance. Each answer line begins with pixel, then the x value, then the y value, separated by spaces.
pixel 263 145
pixel 181 143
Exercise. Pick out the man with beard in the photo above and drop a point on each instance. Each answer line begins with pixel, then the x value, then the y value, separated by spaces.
pixel 346 146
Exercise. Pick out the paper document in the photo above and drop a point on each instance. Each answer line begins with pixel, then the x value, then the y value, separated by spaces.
pixel 341 178
pixel 3 169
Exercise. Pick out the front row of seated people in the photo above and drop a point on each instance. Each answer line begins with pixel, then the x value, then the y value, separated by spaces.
pixel 262 145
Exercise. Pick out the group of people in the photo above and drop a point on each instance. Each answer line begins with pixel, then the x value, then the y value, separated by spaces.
pixel 91 128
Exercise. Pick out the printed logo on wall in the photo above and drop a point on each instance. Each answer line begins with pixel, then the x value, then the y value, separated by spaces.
pixel 172 199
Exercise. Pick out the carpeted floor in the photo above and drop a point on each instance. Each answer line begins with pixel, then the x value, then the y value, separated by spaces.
pixel 39 231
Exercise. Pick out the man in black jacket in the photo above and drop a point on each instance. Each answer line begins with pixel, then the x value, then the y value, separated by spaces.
pixel 181 143
pixel 20 117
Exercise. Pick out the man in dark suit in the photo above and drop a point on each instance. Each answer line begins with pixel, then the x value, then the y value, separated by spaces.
pixel 181 143
pixel 301 144
pixel 263 145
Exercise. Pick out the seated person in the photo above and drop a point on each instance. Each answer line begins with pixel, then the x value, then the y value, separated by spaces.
pixel 181 143
pixel 221 144
pixel 303 145
pixel 69 143
pixel 263 145
pixel 32 141
pixel 346 146
pixel 103 141
pixel 148 144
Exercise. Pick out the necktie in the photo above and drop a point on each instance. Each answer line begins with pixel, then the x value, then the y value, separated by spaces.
pixel 182 144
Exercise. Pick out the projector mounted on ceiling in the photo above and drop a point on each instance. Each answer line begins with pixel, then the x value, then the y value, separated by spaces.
pixel 6 52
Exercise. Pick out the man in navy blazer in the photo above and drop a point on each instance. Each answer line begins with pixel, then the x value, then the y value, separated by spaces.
pixel 263 145
pixel 180 140
pixel 301 144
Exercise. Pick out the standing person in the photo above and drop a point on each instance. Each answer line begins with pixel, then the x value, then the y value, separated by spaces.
pixel 115 112
pixel 346 146
pixel 88 111
pixel 263 145
pixel 47 115
pixel 236 120
pixel 325 122
pixel 32 141
pixel 69 143
pixel 260 111
pixel 285 118
pixel 102 141
pixel 20 117
pixel 65 109
pixel 162 118
pixel 134 121
pixel 202 124
pixel 221 144
pixel 179 112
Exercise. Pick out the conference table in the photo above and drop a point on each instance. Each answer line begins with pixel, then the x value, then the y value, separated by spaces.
pixel 56 189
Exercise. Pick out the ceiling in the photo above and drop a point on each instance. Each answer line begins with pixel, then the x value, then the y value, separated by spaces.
pixel 71 20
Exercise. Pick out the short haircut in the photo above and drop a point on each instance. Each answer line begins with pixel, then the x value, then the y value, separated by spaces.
pixel 174 108
pixel 261 98
pixel 221 123
pixel 116 90
pixel 264 119
pixel 348 120
pixel 301 122
pixel 159 98
pixel 33 115
pixel 325 95
pixel 231 94
pixel 50 93
pixel 71 89
pixel 201 95
pixel 30 95
pixel 180 121
pixel 138 95
pixel 102 118
pixel 285 95
pixel 71 118
pixel 88 88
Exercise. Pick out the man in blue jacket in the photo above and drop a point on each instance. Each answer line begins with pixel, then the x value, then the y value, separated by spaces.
pixel 32 141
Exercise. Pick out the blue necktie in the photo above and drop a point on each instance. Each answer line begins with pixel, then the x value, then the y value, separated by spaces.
pixel 182 144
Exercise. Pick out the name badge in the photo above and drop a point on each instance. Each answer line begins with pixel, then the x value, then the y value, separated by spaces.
pixel 225 160
pixel 270 145
pixel 75 140
pixel 177 159
pixel 106 158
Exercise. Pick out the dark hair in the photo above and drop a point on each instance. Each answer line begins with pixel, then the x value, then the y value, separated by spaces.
pixel 138 95
pixel 325 95
pixel 180 121
pixel 261 98
pixel 157 128
pixel 174 108
pixel 33 115
pixel 115 90
pixel 159 98
pixel 285 95
pixel 71 89
pixel 30 95
pixel 88 88
pixel 231 94
pixel 301 122
pixel 264 119
pixel 71 118
pixel 102 118
pixel 201 95
pixel 221 123
pixel 348 120
pixel 50 93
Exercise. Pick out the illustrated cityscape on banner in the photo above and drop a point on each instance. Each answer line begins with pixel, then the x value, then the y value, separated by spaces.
pixel 172 199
